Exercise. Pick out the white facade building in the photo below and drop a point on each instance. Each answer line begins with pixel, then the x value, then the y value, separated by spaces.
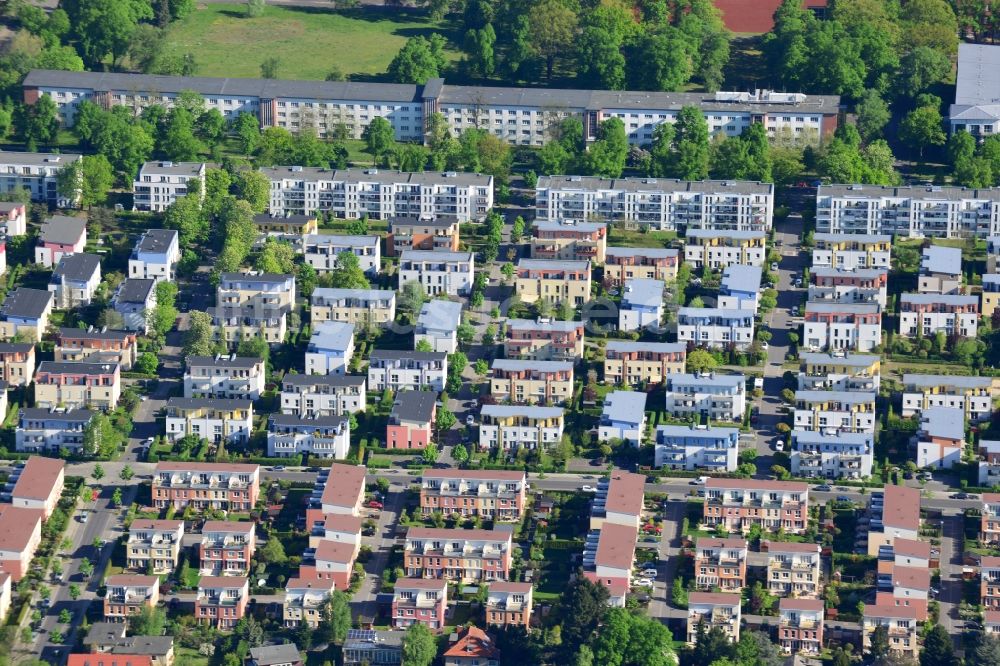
pixel 847 326
pixel 397 370
pixel 512 427
pixel 321 251
pixel 972 395
pixel 850 251
pixel 832 455
pixel 330 348
pixel 160 184
pixel 716 327
pixel 926 314
pixel 718 397
pixel 224 377
pixel 438 324
pixel 448 273
pixel 155 256
pixel 641 305
pixel 37 172
pixel 696 447
pixel 322 395
pixel 322 436
pixel 842 411
pixel 718 248
pixel 43 430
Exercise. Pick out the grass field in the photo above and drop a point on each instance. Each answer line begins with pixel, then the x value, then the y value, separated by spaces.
pixel 307 42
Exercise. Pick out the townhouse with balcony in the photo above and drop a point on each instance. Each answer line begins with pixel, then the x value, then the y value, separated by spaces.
pixel 926 314
pixel 831 454
pixel 233 377
pixel 664 204
pixel 412 420
pixel 17 363
pixel 555 281
pixel 107 640
pixel 252 304
pixel 330 349
pixel 718 248
pixel 793 569
pixel 544 340
pixel 49 431
pixel 990 297
pixel 458 555
pixel 901 623
pixel 532 382
pixel 75 280
pixel 856 285
pixel 992 254
pixel 940 438
pixel 991 623
pixel 618 501
pixel 903 586
pixel 512 427
pixel 623 417
pixel 489 494
pixel 720 563
pixel 25 312
pixel 800 625
pixel 706 395
pixel 894 514
pixel 37 173
pixel 989 525
pixel 839 411
pixel 333 561
pixel 361 307
pixel 318 436
pixel 305 601
pixel 76 385
pixel 289 228
pixel 20 536
pixel 134 300
pixel 740 287
pixel 226 547
pixel 408 233
pixel 940 270
pixel 129 595
pixel 13 218
pixel 569 240
pixel 215 419
pixel 839 371
pixel 154 545
pixel 60 235
pixel 850 251
pixel 909 553
pixel 342 490
pixel 397 370
pixel 160 184
pixel 649 263
pixel 714 610
pixel 419 601
pixel 38 485
pixel 842 326
pixel 989 462
pixel 439 273
pixel 696 447
pixel 638 363
pixel 221 601
pixel 641 305
pixel 989 582
pixel 437 324
pixel 736 504
pixel 608 558
pixel 155 256
pixel 229 486
pixel 471 646
pixel 92 345
pixel 509 605
pixel 338 528
pixel 322 251
pixel 310 396
pixel 915 211
pixel 972 395
pixel 716 327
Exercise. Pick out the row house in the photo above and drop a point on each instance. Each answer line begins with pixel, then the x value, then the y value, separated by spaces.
pixel 154 545
pixel 17 363
pixel 902 586
pixel 712 610
pixel 717 248
pixel 543 340
pixel 310 396
pixel 337 528
pixel 857 285
pixel 333 561
pixel 512 427
pixel 489 494
pixel 924 315
pixel 641 305
pixel 361 307
pixel 649 263
pixel 90 345
pixel 990 297
pixel 972 395
pixel 160 184
pixel 234 377
pixel 837 411
pixel 38 484
pixel 222 601
pixel 851 251
pixel 538 382
pixel 989 582
pixel 737 504
pixel 38 173
pixel 341 490
pixel 156 255
pixel 419 601
pixel 706 396
pixel 638 363
pixel 459 555
pixel 618 500
pixel 50 431
pixel 664 204
pixel 913 211
pixel 509 605
pixel 25 313
pixel 322 252
pixel 901 623
pixel 842 326
pixel 74 385
pixel 75 280
pixel 894 514
pixel 330 349
pixel 569 240
pixel 740 287
pixel 412 420
pixel 555 281
pixel 623 418
pixel 438 273
pixel 800 625
pixel 252 304
pixel 214 419
pixel 437 325
pixel 695 447
pixel 832 454
pixel 288 228
pixel 226 547
pixel 910 553
pixel 135 300
pixel 839 371
pixel 317 436
pixel 306 601
pixel 228 486
pixel 13 218
pixel 991 623
pixel 608 559
pixel 414 370
pixel 440 234
pixel 20 536
pixel 716 327
pixel 940 270
pixel 720 563
pixel 940 438
pixel 989 527
pixel 129 595
pixel 988 451
pixel 793 569
pixel 59 236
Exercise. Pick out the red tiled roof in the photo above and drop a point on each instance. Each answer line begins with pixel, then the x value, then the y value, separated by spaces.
pixel 891 610
pixel 989 561
pixel 126 580
pixel 339 522
pixel 17 524
pixel 421 584
pixel 334 551
pixel 800 604
pixel 914 578
pixel 626 493
pixel 616 546
pixel 473 643
pixel 326 584
pixel 104 659
pixel 911 548
pixel 991 497
pixel 790 547
pixel 713 542
pixel 38 478
pixel 344 485
pixel 510 588
pixel 714 598
pixel 992 617
pixel 901 507
pixel 227 582
pixel 233 526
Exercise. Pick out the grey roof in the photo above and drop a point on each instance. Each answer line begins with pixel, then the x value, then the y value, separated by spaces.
pixel 592 183
pixel 838 437
pixel 295 421
pixel 144 645
pixel 642 292
pixel 331 335
pixel 156 240
pixel 325 380
pixel 440 315
pixel 537 325
pixel 850 397
pixel 387 639
pixel 331 293
pixel 219 403
pixel 529 411
pixel 7 206
pixel 557 225
pixel 231 361
pixel 395 354
pixel 946 299
pixel 135 290
pixel 651 252
pixel 441 221
pixel 423 178
pixel 15 347
pixel 296 220
pixel 917 192
pixel 253 276
pixel 990 445
pixel 434 255
pixel 723 233
pixel 341 240
pixel 72 415
pixel 860 238
pixel 705 380
pixel 856 360
pixel 657 347
pixel 26 303
pixel 702 432
pixel 62 229
pixel 275 654
pixel 541 366
pixel 168 168
pixel 863 273
pixel 78 267
pixel 102 633
pixel 723 313
pixel 93 334
pixel 852 308
pixel 978 80
pixel 741 277
pixel 957 381
pixel 37 159
pixel 75 367
pixel 413 406
pixel 939 259
pixel 944 422
pixel 625 407
pixel 991 278
pixel 554 264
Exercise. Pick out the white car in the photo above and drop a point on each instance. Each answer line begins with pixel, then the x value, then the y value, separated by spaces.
pixel 649 573
pixel 779 446
pixel 588 489
pixel 774 266
pixel 642 582
pixel 470 420
pixel 702 479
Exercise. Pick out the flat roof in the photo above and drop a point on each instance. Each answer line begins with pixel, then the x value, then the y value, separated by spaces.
pixel 856 238
pixel 700 432
pixel 851 308
pixel 92 334
pixel 76 367
pixel 705 380
pixel 224 582
pixel 37 159
pixel 267 655
pixel 435 255
pixel 643 292
pixel 791 547
pixel 911 548
pixel 756 484
pixel 651 252
pixel 541 366
pixel 132 580
pixel 341 240
pixel 206 467
pixel 571 225
pixel 421 583
pixel 787 603
pixel 837 437
pixel 947 299
pixel 233 526
pixel 652 185
pixel 40 413
pixel 168 168
pixel 853 360
pixel 323 380
pixel 714 599
pixel 943 422
pixel 218 403
pixel 398 354
pixel 157 525
pixel 542 325
pixel 335 335
pixel 863 273
pixel 625 406
pixel 472 474
pixel 462 534
pixel 978 79
pixel 440 314
pixel 255 276
pixel 958 381
pixel 332 293
pixel 656 347
pixel 724 233
pixel 715 542
pixel 914 192
pixel 370 175
pixel 554 264
pixel 334 551
pixel 39 477
pixel 850 397
pixel 218 361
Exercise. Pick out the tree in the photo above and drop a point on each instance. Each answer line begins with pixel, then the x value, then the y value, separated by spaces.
pixel 38 123
pixel 919 69
pixel 269 68
pixel 420 59
pixel 149 622
pixel 700 360
pixel 583 605
pixel 246 127
pixel 55 636
pixel 873 114
pixel 116 497
pixel 430 454
pixel 445 419
pixel 74 591
pixel 98 473
pixel 348 274
pixel 552 27
pixel 379 138
pixel 411 298
pixel 250 630
pixel 626 638
pixel 460 453
pixel 105 27
pixel 278 257
pixel 606 156
pixel 419 646
pixel 89 178
pixel 691 144
pixel 755 647
pixel 337 617
pixel 198 340
pixel 600 62
pixel 126 474
pixel 86 568
pixel 666 59
pixel 922 127
pixel 938 648
pixel 254 9
pixel 710 645
pixel 985 653
pixel 880 647
pixel 273 551
pixel 210 127
pixel 177 140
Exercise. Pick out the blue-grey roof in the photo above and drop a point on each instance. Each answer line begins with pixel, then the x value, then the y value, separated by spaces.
pixel 440 315
pixel 341 240
pixel 165 167
pixel 78 267
pixel 218 403
pixel 741 277
pixel 434 255
pixel 556 225
pixel 156 240
pixel 723 233
pixel 595 183
pixel 858 238
pixel 335 335
pixel 651 252
pixel 541 366
pixel 266 655
pixel 62 229
pixel 818 437
pixel 701 432
pixel 26 303
pixel 554 264
pixel 978 79
pixel 722 313
pixel 551 325
pixel 643 292
pixel 958 381
pixel 863 273
pixel 414 406
pixel 851 397
pixel 70 416
pixel 330 293
pixel 939 259
pixel 625 407
pixel 853 308
pixel 946 299
pixel 135 290
pixel 657 347
pixel 530 411
pixel 991 278
pixel 944 422
pixel 705 380
pixel 857 360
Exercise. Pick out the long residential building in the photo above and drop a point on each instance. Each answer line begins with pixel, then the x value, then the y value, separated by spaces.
pixel 569 240
pixel 832 454
pixel 38 485
pixel 696 447
pixel 236 377
pixel 544 340
pixel 322 251
pixel 215 419
pixel 234 487
pixel 457 554
pixel 320 436
pixel 322 395
pixel 651 263
pixel 895 514
pixel 634 363
pixel 850 251
pixel 490 494
pixel 49 431
pixel 855 285
pixel 719 248
pixel 714 396
pixel 512 427
pixel 839 372
pixel 538 382
pixel 973 395
pixel 361 307
pixel 927 314
pixel 842 326
pixel 37 173
pixel 840 411
pixel 737 504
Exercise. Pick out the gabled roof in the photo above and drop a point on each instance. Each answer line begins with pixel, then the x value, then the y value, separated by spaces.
pixel 38 478
pixel 62 230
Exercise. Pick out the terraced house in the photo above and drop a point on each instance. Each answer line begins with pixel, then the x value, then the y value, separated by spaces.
pixel 398 370
pixel 511 427
pixel 229 486
pixel 793 569
pixel 214 419
pixel 635 363
pixel 625 263
pixel 553 281
pixel 323 250
pixel 901 623
pixel 544 340
pixel 226 547
pixel 310 396
pixel 800 625
pixel 716 327
pixel 129 595
pixel 569 240
pixel 842 326
pixel 154 545
pixel 537 382
pixel 839 372
pixel 736 504
pixel 419 601
pixel 251 304
pixel 458 555
pixel 973 395
pixel 989 527
pixel 926 314
pixel 361 307
pixel 717 248
pixel 850 251
pixel 708 395
pixel 856 285
pixel 234 377
pixel 841 411
pixel 76 385
pixel 221 601
pixel 696 447
pixel 490 494
pixel 92 345
pixel 17 363
pixel 407 233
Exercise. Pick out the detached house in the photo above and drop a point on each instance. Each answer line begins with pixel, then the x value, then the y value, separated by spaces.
pixel 330 348
pixel 839 371
pixel 305 601
pixel 154 545
pixel 419 601
pixel 471 647
pixel 989 527
pixel 553 281
pixel 714 609
pixel 716 327
pixel 319 436
pixel 75 280
pixel 252 304
pixel 37 173
pixel 411 422
pixel 717 397
pixel 60 235
pixel 626 263
pixel 130 595
pixel 288 228
pixel 608 558
pixel 323 250
pixel 895 514
pixel 940 438
pixel 156 255
pixel 832 454
pixel 843 411
pixel 26 312
pixel 635 363
pixel 849 251
pixel 718 249
pixel 160 184
pixel 511 427
pixel 134 300
pixel 696 447
pixel 234 377
pixel 940 270
pixel 75 385
pixel 20 536
pixel 857 285
pixel 623 417
pixel 901 623
pixel 13 218
pixel 17 363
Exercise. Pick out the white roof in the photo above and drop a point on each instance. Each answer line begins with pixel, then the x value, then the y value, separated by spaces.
pixel 978 80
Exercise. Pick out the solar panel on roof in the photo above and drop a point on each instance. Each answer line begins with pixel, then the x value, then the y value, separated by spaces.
pixel 361 634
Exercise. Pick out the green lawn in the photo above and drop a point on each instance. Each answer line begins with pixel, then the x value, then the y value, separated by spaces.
pixel 307 42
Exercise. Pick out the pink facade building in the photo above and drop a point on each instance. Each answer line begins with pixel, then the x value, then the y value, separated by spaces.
pixel 419 601
pixel 411 422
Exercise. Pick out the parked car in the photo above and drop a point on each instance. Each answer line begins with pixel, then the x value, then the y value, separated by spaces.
pixel 823 488
pixel 844 498
pixel 652 529
pixel 960 496
pixel 374 504
pixel 278 468
pixel 774 266
pixel 470 420
pixel 588 489
pixel 701 479
pixel 650 573
pixel 643 582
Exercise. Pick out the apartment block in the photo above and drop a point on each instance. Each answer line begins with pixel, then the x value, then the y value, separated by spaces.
pixel 20 536
pixel 719 248
pixel 233 487
pixel 716 327
pixel 49 431
pixel 407 233
pixel 532 382
pixel 437 324
pixel 636 363
pixel 618 500
pixel 160 184
pixel 419 601
pixel 707 395
pixel 59 236
pixel 252 304
pixel 512 427
pixel 226 547
pixel 927 314
pixel 13 218
pixel 490 494
pixel 457 554
pixel 91 345
pixel 832 454
pixel 330 349
pixel 988 451
pixel 895 514
pixel 740 287
pixel 215 419
pixel 25 312
pixel 234 377
pixel 623 417
pixel 856 285
pixel 989 529
pixel 569 240
pixel 134 300
pixel 625 263
pixel 412 420
pixel 398 370
pixel 288 228
pixel 553 280
pixel 154 545
pixel 129 595
pixel 736 504
pixel 38 173
pixel 842 326
pixel 221 600
pixel 509 604
pixel 75 280
pixel 840 411
pixel 318 436
pixel 322 251
pixel 990 296
pixel 901 623
pixel 361 307
pixel 940 437
pixel 793 569
pixel 839 371
pixel 696 447
pixel 720 563
pixel 641 305
pixel 38 485
pixel 711 610
pixel 608 558
pixel 851 251
pixel 438 273
pixel 989 582
pixel 800 625
pixel 17 363
pixel 544 340
pixel 155 256
pixel 310 396
pixel 972 395
pixel 76 385
pixel 940 270
pixel 305 601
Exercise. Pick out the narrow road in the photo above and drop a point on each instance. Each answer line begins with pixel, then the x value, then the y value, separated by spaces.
pixel 364 601
pixel 951 573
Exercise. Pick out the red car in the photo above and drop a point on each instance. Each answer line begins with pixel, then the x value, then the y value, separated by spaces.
pixel 373 504
pixel 652 529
